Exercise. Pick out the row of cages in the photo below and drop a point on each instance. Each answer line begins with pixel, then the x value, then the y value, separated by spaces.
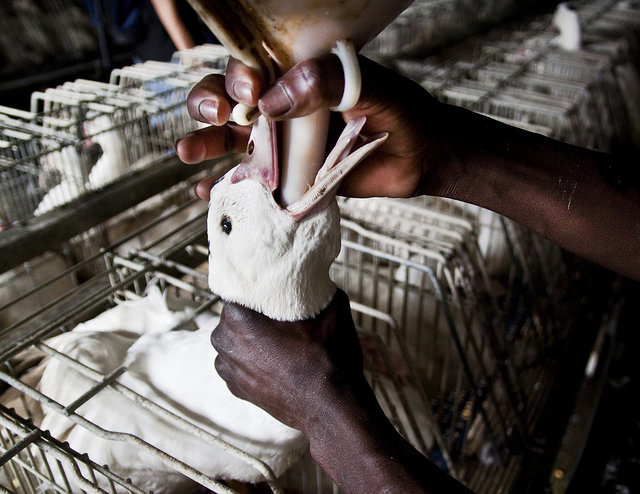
pixel 83 135
pixel 110 386
pixel 520 74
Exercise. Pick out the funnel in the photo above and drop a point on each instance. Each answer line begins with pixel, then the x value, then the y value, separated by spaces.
pixel 273 35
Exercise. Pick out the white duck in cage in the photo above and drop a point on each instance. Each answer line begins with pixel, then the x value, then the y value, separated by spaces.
pixel 170 367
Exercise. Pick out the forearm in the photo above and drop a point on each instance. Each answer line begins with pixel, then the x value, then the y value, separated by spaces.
pixel 567 194
pixel 169 17
pixel 362 452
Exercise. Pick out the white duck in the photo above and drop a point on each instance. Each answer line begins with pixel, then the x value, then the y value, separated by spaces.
pixel 73 164
pixel 175 370
pixel 114 160
pixel 567 22
pixel 268 258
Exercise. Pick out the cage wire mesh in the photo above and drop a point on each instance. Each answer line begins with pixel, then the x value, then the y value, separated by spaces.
pixel 426 24
pixel 519 75
pixel 459 310
pixel 207 55
pixel 463 295
pixel 20 148
pixel 79 137
pixel 83 135
pixel 432 324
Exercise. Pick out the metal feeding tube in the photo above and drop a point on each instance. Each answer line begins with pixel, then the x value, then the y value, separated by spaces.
pixel 261 34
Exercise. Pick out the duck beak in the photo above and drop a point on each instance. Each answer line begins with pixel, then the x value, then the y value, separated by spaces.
pixel 341 160
pixel 261 160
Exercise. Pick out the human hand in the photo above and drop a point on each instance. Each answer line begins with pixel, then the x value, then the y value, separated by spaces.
pixel 391 103
pixel 309 375
pixel 299 372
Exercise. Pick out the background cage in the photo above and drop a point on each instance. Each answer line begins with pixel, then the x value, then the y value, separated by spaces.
pixel 515 74
pixel 434 353
pixel 463 315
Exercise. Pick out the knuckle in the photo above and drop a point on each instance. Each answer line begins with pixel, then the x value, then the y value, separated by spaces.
pixel 310 78
pixel 219 339
pixel 233 336
pixel 238 391
pixel 240 318
pixel 231 376
pixel 223 368
pixel 210 79
pixel 210 87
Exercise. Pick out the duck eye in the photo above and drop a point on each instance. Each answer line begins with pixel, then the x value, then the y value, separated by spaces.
pixel 225 224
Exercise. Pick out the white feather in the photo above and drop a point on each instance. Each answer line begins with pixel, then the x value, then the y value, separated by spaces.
pixel 61 194
pixel 113 162
pixel 148 314
pixel 68 163
pixel 568 23
pixel 173 369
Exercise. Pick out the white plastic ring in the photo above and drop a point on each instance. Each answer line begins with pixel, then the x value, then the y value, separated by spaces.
pixel 244 114
pixel 346 52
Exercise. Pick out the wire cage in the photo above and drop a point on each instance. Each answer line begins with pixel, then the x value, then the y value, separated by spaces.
pixel 117 132
pixel 453 344
pixel 207 55
pixel 20 149
pixel 472 327
pixel 426 24
pixel 518 75
pixel 83 135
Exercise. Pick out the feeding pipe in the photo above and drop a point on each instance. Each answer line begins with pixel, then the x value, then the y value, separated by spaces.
pixel 271 36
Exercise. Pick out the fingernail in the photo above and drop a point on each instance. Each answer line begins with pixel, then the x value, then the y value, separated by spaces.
pixel 208 109
pixel 275 102
pixel 242 91
pixel 175 144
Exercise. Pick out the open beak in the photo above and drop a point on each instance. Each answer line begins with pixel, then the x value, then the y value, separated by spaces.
pixel 261 163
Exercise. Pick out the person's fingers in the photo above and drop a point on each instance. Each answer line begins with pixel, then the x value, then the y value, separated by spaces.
pixel 307 87
pixel 219 339
pixel 242 83
pixel 212 142
pixel 208 102
pixel 203 188
pixel 242 384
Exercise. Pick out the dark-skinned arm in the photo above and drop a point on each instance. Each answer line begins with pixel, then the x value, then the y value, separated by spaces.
pixel 309 375
pixel 585 201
